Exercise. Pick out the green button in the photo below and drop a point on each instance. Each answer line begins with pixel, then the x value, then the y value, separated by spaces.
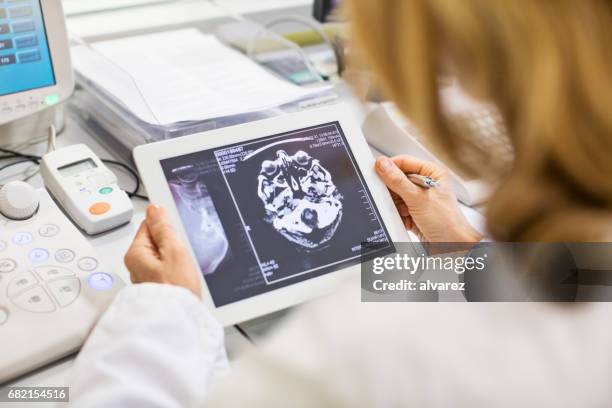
pixel 302 77
pixel 52 99
pixel 105 190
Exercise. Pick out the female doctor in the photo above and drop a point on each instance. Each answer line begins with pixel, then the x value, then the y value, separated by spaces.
pixel 546 65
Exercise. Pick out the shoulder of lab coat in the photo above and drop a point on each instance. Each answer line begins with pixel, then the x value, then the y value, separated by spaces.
pixel 156 345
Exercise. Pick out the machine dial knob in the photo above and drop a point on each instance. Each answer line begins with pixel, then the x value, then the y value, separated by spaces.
pixel 18 200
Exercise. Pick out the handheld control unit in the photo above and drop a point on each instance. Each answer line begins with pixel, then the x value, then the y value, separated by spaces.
pixel 86 189
pixel 53 286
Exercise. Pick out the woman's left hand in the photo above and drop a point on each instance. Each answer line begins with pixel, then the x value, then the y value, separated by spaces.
pixel 158 255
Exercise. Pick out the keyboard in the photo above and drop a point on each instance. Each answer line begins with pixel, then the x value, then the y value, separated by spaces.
pixel 53 288
pixel 488 131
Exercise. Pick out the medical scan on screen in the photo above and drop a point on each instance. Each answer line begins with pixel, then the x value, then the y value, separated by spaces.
pixel 273 211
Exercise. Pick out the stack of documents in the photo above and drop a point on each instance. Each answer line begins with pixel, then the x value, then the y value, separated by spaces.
pixel 181 76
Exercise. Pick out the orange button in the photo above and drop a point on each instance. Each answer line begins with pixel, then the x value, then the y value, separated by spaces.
pixel 99 208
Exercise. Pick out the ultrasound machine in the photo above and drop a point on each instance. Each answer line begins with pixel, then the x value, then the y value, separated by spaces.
pixel 53 284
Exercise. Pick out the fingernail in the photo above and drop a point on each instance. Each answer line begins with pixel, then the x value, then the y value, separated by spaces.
pixel 385 164
pixel 153 212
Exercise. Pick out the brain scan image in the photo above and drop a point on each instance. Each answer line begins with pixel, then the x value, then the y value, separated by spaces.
pixel 200 218
pixel 301 201
pixel 267 212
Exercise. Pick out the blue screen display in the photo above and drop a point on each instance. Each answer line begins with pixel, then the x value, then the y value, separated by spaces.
pixel 25 60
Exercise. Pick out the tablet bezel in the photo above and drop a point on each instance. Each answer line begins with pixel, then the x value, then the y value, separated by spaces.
pixel 149 156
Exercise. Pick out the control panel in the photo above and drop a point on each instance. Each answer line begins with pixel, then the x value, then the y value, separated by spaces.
pixel 53 285
pixel 86 189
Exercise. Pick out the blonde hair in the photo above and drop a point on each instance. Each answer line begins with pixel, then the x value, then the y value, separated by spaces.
pixel 547 66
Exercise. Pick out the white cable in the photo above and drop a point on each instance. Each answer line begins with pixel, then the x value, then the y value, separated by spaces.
pixel 30 172
pixel 51 139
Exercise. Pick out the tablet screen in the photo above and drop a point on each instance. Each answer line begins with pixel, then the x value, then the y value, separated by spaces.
pixel 274 211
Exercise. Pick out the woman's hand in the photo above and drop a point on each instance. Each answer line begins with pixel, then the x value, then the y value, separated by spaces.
pixel 432 214
pixel 158 255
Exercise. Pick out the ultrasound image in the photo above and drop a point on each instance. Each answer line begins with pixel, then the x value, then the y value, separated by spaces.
pixel 302 203
pixel 202 224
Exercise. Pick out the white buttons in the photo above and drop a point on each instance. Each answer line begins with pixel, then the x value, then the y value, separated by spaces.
pixel 48 230
pixel 37 255
pixel 100 281
pixel 7 265
pixel 52 272
pixel 22 238
pixel 34 300
pixel 64 255
pixel 65 291
pixel 26 291
pixel 4 315
pixel 20 283
pixel 87 264
pixel 18 200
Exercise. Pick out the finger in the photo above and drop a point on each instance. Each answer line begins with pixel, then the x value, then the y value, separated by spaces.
pixel 408 223
pixel 161 231
pixel 401 206
pixel 403 210
pixel 412 227
pixel 395 179
pixel 395 197
pixel 143 239
pixel 410 164
pixel 398 202
pixel 142 254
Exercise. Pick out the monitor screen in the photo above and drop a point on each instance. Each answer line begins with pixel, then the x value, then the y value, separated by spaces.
pixel 25 60
pixel 76 168
pixel 274 211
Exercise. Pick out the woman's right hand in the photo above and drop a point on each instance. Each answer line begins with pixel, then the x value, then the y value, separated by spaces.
pixel 432 214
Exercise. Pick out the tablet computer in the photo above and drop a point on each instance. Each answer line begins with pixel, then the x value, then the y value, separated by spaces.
pixel 275 211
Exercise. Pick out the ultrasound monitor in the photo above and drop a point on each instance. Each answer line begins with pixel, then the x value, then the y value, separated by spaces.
pixel 35 68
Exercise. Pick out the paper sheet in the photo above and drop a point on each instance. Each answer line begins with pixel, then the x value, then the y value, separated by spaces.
pixel 182 75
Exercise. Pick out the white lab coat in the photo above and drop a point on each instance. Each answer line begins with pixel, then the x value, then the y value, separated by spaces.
pixel 158 346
